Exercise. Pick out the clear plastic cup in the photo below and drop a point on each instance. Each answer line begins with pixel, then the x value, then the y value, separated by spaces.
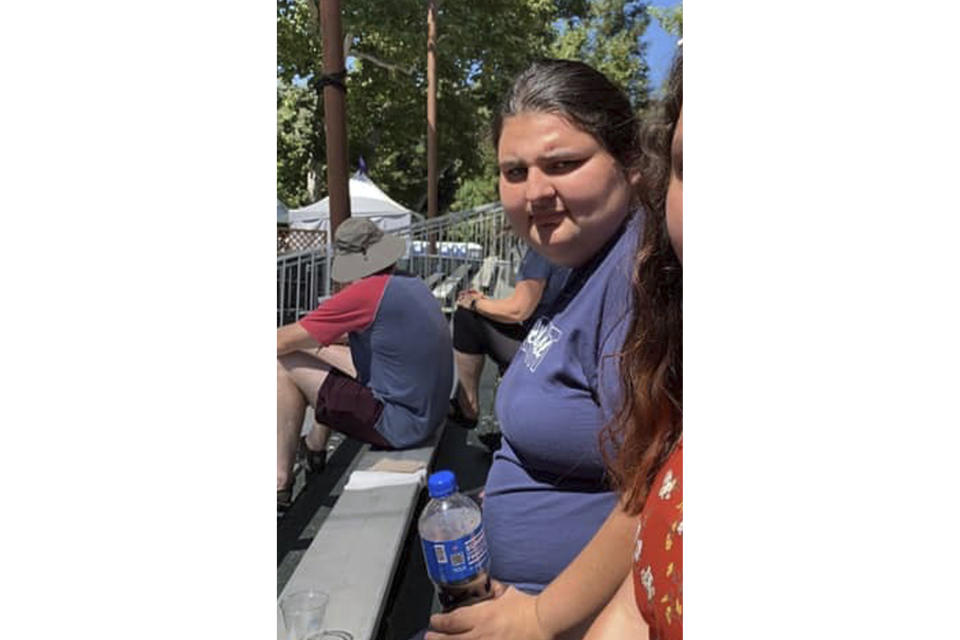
pixel 303 612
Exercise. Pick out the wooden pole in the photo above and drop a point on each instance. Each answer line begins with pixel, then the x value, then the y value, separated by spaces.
pixel 334 113
pixel 431 109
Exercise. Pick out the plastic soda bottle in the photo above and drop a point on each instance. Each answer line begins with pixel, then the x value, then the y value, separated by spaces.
pixel 454 546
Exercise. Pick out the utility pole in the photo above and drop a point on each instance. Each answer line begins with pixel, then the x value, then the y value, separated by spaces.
pixel 431 109
pixel 334 113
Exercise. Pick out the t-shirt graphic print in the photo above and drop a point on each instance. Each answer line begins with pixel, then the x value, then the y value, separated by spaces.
pixel 541 336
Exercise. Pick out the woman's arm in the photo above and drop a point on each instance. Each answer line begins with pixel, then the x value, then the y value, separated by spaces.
pixel 566 606
pixel 515 308
pixel 620 618
pixel 579 593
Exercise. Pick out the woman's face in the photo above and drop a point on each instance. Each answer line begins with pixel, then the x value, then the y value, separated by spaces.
pixel 564 193
pixel 675 191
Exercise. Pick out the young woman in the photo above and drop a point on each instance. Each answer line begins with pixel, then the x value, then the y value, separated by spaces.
pixel 647 438
pixel 648 468
pixel 566 140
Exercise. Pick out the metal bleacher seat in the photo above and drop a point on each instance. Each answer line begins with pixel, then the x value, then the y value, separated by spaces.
pixel 484 279
pixel 445 291
pixel 433 279
pixel 354 555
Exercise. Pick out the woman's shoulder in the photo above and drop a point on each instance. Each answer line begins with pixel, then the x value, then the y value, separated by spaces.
pixel 658 553
pixel 617 265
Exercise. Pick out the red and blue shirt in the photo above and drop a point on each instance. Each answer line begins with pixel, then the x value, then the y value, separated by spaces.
pixel 401 348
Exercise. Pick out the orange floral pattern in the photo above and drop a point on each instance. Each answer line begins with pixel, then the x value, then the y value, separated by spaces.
pixel 658 552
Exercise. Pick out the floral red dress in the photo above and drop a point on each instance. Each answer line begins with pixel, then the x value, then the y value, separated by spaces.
pixel 658 554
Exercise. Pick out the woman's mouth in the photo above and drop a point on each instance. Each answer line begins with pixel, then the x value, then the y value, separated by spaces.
pixel 547 219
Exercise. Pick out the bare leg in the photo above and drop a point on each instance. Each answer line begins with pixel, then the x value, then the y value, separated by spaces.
pixel 338 355
pixel 317 437
pixel 291 406
pixel 469 368
pixel 299 377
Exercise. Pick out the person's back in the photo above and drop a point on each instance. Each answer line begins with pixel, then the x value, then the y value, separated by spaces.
pixel 390 387
pixel 405 357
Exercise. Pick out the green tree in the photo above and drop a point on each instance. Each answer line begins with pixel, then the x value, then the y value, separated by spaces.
pixel 297 142
pixel 481 188
pixel 607 37
pixel 670 19
pixel 480 47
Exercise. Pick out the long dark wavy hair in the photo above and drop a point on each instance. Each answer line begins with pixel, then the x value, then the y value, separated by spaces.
pixel 650 420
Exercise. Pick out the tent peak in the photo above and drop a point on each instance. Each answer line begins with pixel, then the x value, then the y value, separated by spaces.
pixel 361 173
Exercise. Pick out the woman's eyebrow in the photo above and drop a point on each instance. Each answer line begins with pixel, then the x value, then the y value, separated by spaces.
pixel 560 153
pixel 549 156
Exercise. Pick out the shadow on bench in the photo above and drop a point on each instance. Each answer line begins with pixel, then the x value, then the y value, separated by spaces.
pixel 292 532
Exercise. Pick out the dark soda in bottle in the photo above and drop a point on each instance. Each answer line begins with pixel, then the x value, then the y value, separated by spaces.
pixel 454 546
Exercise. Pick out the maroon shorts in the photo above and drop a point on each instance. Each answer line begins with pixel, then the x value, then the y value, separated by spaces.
pixel 349 407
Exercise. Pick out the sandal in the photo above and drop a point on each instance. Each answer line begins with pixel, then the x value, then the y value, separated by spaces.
pixel 455 414
pixel 313 462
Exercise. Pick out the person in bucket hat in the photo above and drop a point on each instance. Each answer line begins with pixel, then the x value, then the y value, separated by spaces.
pixel 361 249
pixel 390 386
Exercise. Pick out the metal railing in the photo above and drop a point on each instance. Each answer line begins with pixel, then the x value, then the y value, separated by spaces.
pixel 301 280
pixel 435 246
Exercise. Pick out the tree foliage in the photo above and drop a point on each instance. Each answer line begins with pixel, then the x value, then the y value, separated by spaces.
pixel 607 37
pixel 297 142
pixel 670 19
pixel 480 47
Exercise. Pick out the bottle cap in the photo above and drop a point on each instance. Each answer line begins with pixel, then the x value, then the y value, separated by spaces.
pixel 441 484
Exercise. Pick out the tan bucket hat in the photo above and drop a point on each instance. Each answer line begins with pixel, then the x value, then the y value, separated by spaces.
pixel 361 249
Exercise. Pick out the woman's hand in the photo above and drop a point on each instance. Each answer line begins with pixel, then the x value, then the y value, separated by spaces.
pixel 465 298
pixel 510 614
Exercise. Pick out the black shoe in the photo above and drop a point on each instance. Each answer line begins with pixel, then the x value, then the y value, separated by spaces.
pixel 455 414
pixel 491 440
pixel 313 462
pixel 284 501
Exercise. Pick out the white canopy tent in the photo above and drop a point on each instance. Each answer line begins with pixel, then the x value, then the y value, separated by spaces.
pixel 283 215
pixel 366 201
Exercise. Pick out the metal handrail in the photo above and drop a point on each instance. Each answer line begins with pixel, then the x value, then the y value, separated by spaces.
pixel 436 245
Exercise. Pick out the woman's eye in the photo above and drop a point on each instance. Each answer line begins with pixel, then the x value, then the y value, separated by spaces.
pixel 562 166
pixel 515 174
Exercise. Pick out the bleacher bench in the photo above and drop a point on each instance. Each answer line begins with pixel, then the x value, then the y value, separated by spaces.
pixel 432 280
pixel 484 279
pixel 354 555
pixel 451 284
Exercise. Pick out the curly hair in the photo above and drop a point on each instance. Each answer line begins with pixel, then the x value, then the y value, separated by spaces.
pixel 650 420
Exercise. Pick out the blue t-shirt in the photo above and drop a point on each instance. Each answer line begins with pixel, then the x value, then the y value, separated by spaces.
pixel 395 326
pixel 535 267
pixel 545 493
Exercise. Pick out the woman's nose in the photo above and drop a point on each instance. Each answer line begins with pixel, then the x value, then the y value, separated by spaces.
pixel 539 185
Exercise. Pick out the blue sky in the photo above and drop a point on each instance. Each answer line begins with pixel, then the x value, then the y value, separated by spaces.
pixel 660 47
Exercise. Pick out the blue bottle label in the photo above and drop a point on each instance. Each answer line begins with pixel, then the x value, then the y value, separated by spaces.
pixel 455 560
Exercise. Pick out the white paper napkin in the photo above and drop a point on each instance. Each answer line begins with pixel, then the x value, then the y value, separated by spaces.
pixel 360 480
